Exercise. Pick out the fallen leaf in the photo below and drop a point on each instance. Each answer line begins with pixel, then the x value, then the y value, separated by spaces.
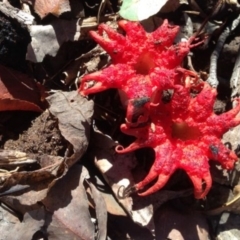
pixel 74 114
pixel 41 224
pixel 138 10
pixel 65 214
pixel 33 222
pixel 67 199
pixel 15 13
pixel 116 168
pixel 47 39
pixel 74 117
pixel 8 221
pixel 18 91
pixel 232 137
pixel 55 7
pixel 128 10
pixel 38 180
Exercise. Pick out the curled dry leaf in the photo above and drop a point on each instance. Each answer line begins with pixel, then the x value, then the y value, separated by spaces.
pixel 74 114
pixel 47 39
pixel 55 7
pixel 37 183
pixel 63 214
pixel 18 91
pixel 68 201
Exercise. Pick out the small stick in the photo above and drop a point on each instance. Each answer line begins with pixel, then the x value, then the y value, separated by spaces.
pixel 212 79
pixel 235 79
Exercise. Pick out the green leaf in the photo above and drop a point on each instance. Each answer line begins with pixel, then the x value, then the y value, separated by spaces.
pixel 138 10
pixel 128 10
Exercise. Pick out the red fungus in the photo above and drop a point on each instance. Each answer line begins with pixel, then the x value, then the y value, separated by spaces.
pixel 142 64
pixel 184 133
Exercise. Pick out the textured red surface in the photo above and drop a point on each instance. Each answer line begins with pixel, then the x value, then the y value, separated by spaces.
pixel 142 64
pixel 184 132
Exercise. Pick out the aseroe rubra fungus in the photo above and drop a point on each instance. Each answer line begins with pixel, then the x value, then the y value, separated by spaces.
pixel 184 132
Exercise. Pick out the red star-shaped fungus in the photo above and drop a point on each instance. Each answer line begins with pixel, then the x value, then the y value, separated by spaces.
pixel 142 64
pixel 184 135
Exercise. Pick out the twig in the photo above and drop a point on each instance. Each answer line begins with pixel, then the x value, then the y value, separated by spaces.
pixel 212 79
pixel 235 78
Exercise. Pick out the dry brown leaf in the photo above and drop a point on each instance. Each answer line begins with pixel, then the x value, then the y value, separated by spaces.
pixel 68 200
pixel 66 212
pixel 8 221
pixel 33 221
pixel 55 7
pixel 38 180
pixel 74 117
pixel 18 91
pixel 74 114
pixel 47 39
pixel 42 224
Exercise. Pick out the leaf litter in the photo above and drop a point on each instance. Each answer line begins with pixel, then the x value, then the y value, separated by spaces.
pixel 44 186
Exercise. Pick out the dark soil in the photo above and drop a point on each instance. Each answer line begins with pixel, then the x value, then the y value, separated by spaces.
pixel 38 136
